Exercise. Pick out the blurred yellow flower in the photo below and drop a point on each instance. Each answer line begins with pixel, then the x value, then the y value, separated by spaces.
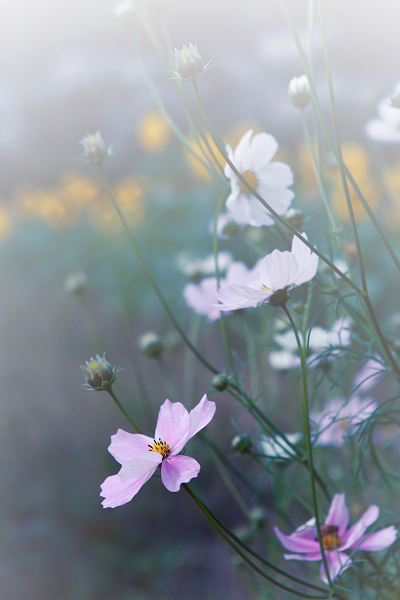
pixel 48 204
pixel 5 224
pixel 370 190
pixel 79 189
pixel 356 159
pixel 153 131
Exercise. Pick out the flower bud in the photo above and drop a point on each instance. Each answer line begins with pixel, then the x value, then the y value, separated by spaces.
pixel 220 382
pixel 150 345
pixel 99 374
pixel 257 517
pixel 76 283
pixel 188 63
pixel 241 443
pixel 299 91
pixel 295 217
pixel 95 150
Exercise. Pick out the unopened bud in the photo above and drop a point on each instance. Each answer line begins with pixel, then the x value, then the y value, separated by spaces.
pixel 299 91
pixel 188 63
pixel 150 345
pixel 99 374
pixel 295 217
pixel 95 150
pixel 257 517
pixel 241 443
pixel 220 382
pixel 76 283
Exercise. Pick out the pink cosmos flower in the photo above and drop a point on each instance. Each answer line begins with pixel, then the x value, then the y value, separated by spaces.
pixel 369 374
pixel 252 157
pixel 277 274
pixel 140 455
pixel 202 297
pixel 336 538
pixel 339 418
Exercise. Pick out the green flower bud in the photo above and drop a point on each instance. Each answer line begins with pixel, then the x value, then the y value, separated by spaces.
pixel 241 443
pixel 150 345
pixel 220 382
pixel 99 374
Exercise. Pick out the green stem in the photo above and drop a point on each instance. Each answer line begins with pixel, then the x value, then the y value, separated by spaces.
pixel 122 409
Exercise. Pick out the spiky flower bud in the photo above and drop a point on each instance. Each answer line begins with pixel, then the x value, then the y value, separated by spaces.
pixel 220 382
pixel 150 344
pixel 99 374
pixel 95 150
pixel 188 63
pixel 241 443
pixel 299 91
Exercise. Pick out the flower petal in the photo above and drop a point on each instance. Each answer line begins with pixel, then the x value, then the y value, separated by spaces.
pixel 296 544
pixel 201 415
pixel 310 556
pixel 337 563
pixel 139 466
pixel 338 514
pixel 278 270
pixel 379 540
pixel 177 470
pixel 173 424
pixel 354 534
pixel 126 446
pixel 116 493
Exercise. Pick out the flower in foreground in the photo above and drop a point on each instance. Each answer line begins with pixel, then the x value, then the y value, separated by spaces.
pixel 340 418
pixel 276 274
pixel 140 455
pixel 336 538
pixel 252 157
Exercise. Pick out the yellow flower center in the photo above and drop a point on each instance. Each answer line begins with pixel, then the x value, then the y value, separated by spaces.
pixel 264 287
pixel 330 538
pixel 251 178
pixel 161 447
pixel 94 364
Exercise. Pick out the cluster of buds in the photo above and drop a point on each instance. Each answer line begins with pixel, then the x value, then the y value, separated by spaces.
pixel 99 374
pixel 188 63
pixel 95 150
pixel 299 91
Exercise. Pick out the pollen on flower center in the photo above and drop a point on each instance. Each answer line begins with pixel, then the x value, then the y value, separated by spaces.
pixel 330 538
pixel 161 447
pixel 264 287
pixel 251 178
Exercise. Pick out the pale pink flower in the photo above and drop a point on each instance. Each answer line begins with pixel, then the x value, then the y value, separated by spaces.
pixel 336 538
pixel 369 374
pixel 277 274
pixel 386 128
pixel 140 455
pixel 252 158
pixel 202 297
pixel 340 418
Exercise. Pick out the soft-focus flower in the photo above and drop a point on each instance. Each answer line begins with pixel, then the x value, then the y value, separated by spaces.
pixel 295 217
pixel 150 344
pixel 369 374
pixel 252 157
pixel 202 297
pixel 299 91
pixel 126 12
pixel 275 275
pixel 278 447
pixel 153 131
pixel 208 153
pixel 340 418
pixel 241 443
pixel 140 455
pixel 321 343
pixel 76 283
pixel 336 538
pixel 226 225
pixel 99 374
pixel 95 150
pixel 386 128
pixel 188 63
pixel 195 268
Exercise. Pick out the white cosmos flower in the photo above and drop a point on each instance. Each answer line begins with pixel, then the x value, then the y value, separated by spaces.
pixel 321 343
pixel 386 128
pixel 274 276
pixel 252 157
pixel 277 447
pixel 202 297
pixel 199 267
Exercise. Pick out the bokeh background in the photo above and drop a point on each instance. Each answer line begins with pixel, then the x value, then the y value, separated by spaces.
pixel 68 68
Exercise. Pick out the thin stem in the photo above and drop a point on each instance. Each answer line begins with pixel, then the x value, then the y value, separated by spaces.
pixel 306 419
pixel 122 409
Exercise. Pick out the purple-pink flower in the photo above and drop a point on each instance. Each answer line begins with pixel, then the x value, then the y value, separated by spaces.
pixel 140 455
pixel 336 538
